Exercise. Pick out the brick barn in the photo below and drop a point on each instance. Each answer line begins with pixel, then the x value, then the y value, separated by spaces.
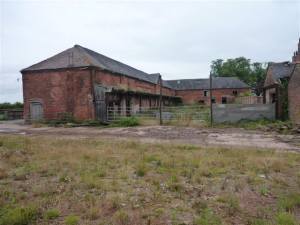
pixel 83 83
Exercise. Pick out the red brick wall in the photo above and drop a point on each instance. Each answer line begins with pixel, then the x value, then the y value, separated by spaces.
pixel 294 95
pixel 127 83
pixel 195 96
pixel 59 92
pixel 70 91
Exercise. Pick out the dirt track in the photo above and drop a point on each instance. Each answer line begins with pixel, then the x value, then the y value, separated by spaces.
pixel 167 134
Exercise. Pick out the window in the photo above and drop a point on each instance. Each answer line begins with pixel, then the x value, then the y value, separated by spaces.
pixel 205 93
pixel 213 100
pixel 235 92
pixel 224 100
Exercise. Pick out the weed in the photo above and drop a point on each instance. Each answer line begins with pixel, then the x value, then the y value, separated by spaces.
pixel 51 214
pixel 64 178
pixel 289 202
pixel 207 217
pixel 264 191
pixel 72 220
pixel 141 170
pixel 121 217
pixel 93 213
pixel 231 202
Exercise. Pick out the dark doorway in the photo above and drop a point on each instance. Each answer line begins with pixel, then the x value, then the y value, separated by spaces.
pixel 100 103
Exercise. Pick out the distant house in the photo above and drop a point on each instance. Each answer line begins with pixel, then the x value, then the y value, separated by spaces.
pixel 277 81
pixel 84 83
pixel 225 89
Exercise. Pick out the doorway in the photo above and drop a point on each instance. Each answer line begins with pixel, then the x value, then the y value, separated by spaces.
pixel 36 111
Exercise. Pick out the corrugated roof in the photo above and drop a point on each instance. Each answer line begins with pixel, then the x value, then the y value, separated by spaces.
pixel 218 83
pixel 79 56
pixel 281 70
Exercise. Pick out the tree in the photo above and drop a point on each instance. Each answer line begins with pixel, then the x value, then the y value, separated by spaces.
pixel 7 105
pixel 252 74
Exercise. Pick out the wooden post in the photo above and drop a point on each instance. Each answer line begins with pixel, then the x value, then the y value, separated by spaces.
pixel 160 102
pixel 211 98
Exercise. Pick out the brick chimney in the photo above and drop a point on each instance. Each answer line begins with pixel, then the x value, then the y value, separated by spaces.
pixel 296 56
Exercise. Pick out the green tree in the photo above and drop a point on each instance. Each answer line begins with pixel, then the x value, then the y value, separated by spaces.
pixel 252 74
pixel 7 105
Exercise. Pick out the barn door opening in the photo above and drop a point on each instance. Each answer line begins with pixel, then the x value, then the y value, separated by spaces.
pixel 36 111
pixel 100 103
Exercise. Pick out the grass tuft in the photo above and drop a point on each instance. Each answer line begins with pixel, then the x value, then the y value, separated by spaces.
pixel 51 214
pixel 72 220
pixel 18 215
pixel 207 217
pixel 285 218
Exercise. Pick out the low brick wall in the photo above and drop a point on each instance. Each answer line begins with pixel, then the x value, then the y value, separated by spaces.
pixel 236 112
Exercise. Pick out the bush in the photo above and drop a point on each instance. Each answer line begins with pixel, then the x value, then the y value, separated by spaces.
pixel 18 215
pixel 128 122
pixel 51 214
pixel 71 220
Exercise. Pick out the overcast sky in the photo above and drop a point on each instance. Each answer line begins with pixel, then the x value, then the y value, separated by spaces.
pixel 178 39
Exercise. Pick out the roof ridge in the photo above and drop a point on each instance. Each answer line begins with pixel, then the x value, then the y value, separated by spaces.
pixel 88 56
pixel 87 49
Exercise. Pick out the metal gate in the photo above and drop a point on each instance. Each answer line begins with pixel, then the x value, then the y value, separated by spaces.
pixel 36 111
pixel 100 103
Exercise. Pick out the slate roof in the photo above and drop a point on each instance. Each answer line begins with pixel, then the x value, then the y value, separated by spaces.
pixel 79 56
pixel 218 83
pixel 281 70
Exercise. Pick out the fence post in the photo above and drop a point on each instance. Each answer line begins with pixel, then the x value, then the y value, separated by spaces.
pixel 160 102
pixel 211 97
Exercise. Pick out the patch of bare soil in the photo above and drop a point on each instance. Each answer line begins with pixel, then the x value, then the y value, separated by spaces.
pixel 235 137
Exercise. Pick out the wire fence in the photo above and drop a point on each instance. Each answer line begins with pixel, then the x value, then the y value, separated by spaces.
pixel 169 114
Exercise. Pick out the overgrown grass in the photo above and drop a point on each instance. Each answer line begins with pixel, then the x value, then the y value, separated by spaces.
pixel 18 215
pixel 127 182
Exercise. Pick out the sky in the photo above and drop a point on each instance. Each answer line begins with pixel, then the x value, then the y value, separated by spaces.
pixel 178 39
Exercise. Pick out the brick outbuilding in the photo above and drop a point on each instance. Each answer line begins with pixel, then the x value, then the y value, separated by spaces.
pixel 197 91
pixel 83 83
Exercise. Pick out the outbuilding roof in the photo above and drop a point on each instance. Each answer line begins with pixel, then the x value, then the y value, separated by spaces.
pixel 280 70
pixel 79 56
pixel 217 83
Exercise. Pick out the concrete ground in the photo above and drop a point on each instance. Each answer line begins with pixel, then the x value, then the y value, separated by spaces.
pixel 230 137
